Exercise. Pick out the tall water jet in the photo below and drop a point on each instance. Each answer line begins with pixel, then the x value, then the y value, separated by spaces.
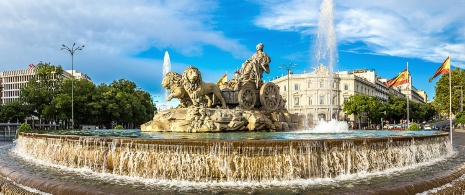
pixel 325 46
pixel 166 69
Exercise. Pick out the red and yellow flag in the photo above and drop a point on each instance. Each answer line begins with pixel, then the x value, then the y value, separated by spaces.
pixel 222 80
pixel 443 69
pixel 402 78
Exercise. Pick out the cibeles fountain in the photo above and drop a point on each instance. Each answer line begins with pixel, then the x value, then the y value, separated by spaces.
pixel 235 140
pixel 239 139
pixel 245 103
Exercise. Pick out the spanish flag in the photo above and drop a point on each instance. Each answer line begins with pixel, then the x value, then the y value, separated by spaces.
pixel 444 68
pixel 222 80
pixel 402 78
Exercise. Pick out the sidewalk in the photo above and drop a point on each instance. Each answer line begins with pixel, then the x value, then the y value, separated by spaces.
pixel 458 137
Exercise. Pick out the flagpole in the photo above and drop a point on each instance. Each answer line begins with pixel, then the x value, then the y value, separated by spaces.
pixel 408 107
pixel 450 101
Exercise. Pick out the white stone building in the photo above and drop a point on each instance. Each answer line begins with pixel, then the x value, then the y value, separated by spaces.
pixel 309 93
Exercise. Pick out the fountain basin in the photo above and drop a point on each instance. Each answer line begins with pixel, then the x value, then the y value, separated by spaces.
pixel 239 161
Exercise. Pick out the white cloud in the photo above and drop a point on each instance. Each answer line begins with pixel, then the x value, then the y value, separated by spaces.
pixel 426 30
pixel 113 32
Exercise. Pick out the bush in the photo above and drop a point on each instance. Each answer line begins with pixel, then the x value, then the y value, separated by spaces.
pixel 414 127
pixel 23 127
pixel 119 127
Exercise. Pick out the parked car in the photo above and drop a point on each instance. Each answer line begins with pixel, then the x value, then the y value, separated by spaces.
pixel 446 128
pixel 427 127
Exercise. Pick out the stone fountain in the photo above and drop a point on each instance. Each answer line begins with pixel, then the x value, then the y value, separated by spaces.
pixel 245 103
pixel 240 160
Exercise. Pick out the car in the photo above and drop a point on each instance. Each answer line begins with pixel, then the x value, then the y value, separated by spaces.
pixel 427 127
pixel 446 128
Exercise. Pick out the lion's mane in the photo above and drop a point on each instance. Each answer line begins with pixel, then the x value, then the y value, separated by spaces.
pixel 191 86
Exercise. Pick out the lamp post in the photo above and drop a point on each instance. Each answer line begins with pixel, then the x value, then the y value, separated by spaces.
pixel 288 68
pixel 71 51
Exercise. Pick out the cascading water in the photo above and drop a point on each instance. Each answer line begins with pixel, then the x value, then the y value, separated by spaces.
pixel 166 69
pixel 232 160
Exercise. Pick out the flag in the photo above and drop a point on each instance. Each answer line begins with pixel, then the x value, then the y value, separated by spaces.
pixel 444 68
pixel 222 80
pixel 402 78
pixel 31 66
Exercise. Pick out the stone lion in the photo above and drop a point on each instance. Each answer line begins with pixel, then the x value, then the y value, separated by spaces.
pixel 197 89
pixel 172 82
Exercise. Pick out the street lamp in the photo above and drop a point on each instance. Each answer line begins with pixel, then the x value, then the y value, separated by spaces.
pixel 71 51
pixel 288 68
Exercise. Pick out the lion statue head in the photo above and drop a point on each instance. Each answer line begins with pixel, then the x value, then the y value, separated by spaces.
pixel 191 79
pixel 171 79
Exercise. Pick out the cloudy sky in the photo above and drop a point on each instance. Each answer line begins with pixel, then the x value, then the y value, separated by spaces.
pixel 128 39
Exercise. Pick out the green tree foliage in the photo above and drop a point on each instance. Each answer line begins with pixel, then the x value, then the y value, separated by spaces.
pixel 119 127
pixel 414 127
pixel 442 91
pixel 460 118
pixel 42 89
pixel 48 96
pixel 375 109
pixel 14 111
pixel 22 128
pixel 395 108
pixel 357 105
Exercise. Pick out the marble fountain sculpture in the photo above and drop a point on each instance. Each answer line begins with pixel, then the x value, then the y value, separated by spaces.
pixel 231 141
pixel 246 103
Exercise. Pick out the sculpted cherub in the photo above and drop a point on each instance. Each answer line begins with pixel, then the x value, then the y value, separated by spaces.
pixel 196 88
pixel 172 82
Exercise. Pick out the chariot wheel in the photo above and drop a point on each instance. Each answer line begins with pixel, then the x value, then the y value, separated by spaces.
pixel 247 96
pixel 269 96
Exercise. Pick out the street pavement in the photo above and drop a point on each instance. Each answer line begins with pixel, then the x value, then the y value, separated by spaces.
pixel 458 137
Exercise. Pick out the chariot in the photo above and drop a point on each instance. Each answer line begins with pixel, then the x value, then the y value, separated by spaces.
pixel 249 95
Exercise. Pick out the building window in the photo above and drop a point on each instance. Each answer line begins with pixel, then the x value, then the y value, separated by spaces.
pixel 284 88
pixel 321 84
pixel 346 99
pixel 310 101
pixel 296 101
pixel 296 87
pixel 346 87
pixel 309 84
pixel 322 99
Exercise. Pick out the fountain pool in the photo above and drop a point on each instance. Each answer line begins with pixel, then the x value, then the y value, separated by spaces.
pixel 238 163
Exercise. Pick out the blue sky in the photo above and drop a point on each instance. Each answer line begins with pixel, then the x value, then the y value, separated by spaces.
pixel 128 39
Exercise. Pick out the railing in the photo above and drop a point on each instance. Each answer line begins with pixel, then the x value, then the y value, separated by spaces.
pixel 7 133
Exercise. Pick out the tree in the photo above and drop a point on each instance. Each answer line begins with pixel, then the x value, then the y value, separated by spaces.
pixel 357 104
pixel 460 118
pixel 375 109
pixel 14 111
pixel 396 108
pixel 442 91
pixel 42 89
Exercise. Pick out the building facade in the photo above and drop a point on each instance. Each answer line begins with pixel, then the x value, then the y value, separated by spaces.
pixel 310 94
pixel 12 81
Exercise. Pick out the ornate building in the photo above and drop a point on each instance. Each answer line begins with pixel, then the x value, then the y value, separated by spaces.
pixel 309 93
